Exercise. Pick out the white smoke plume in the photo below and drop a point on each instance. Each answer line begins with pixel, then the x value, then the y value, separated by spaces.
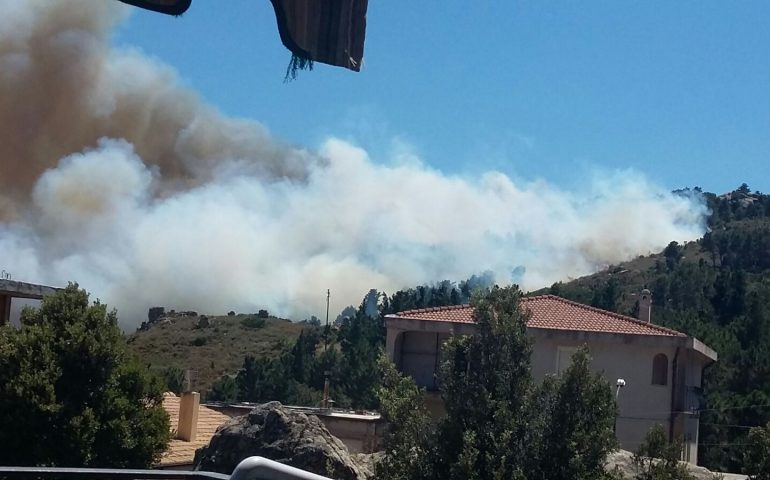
pixel 113 175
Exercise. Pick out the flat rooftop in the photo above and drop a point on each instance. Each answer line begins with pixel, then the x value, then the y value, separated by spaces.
pixel 12 288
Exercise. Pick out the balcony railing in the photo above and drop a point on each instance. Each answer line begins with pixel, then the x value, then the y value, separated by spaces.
pixel 252 468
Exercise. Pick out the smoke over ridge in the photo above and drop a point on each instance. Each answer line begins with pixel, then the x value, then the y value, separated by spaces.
pixel 114 175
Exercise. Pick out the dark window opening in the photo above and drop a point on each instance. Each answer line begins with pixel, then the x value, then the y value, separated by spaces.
pixel 660 369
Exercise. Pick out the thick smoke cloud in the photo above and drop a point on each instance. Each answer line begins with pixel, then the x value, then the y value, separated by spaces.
pixel 62 88
pixel 113 175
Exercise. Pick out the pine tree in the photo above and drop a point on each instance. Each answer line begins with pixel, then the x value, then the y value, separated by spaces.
pixel 580 412
pixel 485 380
pixel 409 435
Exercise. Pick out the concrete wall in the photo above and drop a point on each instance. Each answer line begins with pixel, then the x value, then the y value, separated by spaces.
pixel 11 289
pixel 419 355
pixel 360 436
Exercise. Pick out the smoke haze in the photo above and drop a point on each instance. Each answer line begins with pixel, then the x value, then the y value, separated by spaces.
pixel 114 175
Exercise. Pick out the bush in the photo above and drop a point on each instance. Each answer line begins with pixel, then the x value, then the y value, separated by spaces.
pixel 173 378
pixel 757 455
pixel 253 322
pixel 199 341
pixel 657 459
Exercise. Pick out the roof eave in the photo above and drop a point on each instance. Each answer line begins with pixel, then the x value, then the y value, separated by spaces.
pixel 703 349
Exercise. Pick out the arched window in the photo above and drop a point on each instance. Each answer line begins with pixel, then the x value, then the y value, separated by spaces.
pixel 660 369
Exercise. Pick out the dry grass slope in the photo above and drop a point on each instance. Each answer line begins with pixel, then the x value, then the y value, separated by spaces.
pixel 211 351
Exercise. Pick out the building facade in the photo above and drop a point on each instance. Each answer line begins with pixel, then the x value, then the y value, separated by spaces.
pixel 660 368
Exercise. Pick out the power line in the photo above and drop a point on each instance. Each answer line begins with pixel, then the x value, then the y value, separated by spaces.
pixel 700 410
pixel 729 425
pixel 726 444
pixel 732 408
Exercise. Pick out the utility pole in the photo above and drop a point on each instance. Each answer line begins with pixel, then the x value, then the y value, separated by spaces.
pixel 326 328
pixel 325 403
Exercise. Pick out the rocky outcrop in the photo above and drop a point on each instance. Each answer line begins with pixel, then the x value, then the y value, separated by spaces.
pixel 283 435
pixel 623 461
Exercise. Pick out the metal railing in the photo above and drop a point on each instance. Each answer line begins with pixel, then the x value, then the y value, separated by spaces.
pixel 252 468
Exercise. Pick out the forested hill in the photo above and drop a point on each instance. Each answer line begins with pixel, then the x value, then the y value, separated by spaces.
pixel 717 289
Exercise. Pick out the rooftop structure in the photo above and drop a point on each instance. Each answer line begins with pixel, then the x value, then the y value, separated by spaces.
pixel 660 368
pixel 10 289
pixel 194 426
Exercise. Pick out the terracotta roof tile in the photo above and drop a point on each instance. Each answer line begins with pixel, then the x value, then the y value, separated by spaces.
pixel 553 313
pixel 180 452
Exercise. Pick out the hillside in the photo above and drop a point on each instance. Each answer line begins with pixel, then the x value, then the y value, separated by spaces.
pixel 716 289
pixel 214 350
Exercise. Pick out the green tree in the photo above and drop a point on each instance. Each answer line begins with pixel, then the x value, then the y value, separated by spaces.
pixel 657 459
pixel 485 380
pixel 498 423
pixel 250 379
pixel 673 254
pixel 360 341
pixel 408 438
pixel 577 431
pixel 757 455
pixel 70 395
pixel 223 390
pixel 607 296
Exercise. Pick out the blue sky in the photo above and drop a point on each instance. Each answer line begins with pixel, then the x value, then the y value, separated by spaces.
pixel 677 90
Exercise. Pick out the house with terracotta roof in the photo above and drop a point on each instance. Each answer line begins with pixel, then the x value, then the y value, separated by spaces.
pixel 192 426
pixel 661 369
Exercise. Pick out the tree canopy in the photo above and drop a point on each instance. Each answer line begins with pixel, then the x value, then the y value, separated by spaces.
pixel 70 394
pixel 718 290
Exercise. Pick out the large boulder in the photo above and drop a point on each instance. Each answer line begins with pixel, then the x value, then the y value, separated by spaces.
pixel 283 435
pixel 623 461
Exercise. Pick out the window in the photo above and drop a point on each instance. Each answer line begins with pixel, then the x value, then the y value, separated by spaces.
pixel 660 369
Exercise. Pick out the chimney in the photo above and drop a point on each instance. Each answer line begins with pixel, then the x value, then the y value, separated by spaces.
pixel 645 305
pixel 188 411
pixel 188 416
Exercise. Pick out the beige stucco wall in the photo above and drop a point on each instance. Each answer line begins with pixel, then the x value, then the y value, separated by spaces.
pixel 641 404
pixel 414 345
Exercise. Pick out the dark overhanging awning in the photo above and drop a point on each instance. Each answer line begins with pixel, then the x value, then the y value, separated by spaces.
pixel 169 7
pixel 326 31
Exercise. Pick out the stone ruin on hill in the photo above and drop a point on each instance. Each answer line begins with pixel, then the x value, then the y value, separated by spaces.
pixel 158 315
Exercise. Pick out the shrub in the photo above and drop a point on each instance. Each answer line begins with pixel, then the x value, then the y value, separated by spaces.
pixel 253 322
